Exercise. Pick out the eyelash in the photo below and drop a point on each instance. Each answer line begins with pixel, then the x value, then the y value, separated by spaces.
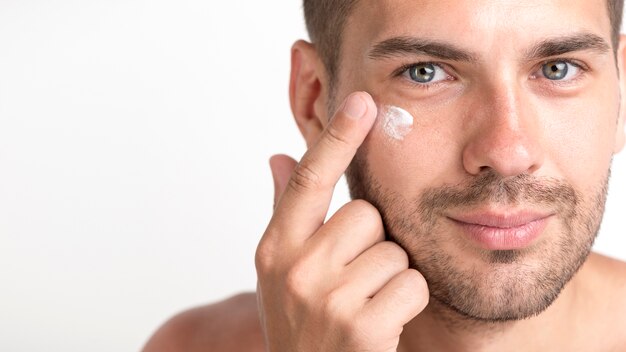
pixel 577 64
pixel 404 68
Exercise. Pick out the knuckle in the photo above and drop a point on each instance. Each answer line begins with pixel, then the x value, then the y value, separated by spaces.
pixel 333 307
pixel 367 217
pixel 335 136
pixel 417 287
pixel 262 258
pixel 296 281
pixel 412 292
pixel 266 254
pixel 390 251
pixel 305 178
pixel 364 210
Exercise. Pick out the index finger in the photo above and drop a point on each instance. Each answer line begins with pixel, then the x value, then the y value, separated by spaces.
pixel 304 204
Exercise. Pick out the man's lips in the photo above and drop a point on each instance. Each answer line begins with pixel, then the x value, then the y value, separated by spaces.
pixel 502 230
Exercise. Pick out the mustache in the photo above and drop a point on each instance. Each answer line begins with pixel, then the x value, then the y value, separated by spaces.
pixel 490 187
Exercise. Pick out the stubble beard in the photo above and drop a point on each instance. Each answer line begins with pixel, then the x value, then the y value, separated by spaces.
pixel 495 286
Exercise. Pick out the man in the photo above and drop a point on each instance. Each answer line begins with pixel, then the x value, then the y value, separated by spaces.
pixel 472 228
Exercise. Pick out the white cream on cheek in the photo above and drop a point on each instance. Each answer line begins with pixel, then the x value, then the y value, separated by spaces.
pixel 395 121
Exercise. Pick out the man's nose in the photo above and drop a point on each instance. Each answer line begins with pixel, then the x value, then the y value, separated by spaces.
pixel 504 133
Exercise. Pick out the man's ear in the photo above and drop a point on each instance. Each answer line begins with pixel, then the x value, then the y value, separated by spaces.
pixel 308 90
pixel 620 138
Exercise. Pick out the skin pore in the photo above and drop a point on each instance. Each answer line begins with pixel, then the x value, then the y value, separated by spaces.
pixel 491 133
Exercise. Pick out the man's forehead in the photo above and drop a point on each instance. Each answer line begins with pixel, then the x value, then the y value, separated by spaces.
pixel 484 25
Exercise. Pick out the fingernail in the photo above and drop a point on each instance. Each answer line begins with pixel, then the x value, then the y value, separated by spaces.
pixel 355 107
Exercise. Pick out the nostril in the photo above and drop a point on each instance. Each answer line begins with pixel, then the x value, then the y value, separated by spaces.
pixel 483 169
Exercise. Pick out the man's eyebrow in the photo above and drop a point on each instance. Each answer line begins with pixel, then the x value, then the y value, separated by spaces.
pixel 404 45
pixel 566 44
pixel 399 46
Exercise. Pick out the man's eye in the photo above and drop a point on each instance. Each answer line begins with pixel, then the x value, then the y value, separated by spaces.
pixel 426 73
pixel 559 70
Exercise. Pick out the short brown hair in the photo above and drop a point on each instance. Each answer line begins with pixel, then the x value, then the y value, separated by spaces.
pixel 325 20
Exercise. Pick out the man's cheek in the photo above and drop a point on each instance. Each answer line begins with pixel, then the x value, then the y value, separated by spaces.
pixel 409 148
pixel 579 137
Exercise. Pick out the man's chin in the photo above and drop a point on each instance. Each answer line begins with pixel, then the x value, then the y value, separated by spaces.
pixel 504 256
pixel 494 314
pixel 501 286
pixel 495 286
pixel 508 302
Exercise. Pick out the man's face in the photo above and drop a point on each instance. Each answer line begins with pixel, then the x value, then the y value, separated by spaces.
pixel 498 191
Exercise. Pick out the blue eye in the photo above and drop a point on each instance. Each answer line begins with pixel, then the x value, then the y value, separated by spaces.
pixel 422 73
pixel 425 73
pixel 559 70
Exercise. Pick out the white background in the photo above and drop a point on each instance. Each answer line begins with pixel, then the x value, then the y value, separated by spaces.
pixel 134 138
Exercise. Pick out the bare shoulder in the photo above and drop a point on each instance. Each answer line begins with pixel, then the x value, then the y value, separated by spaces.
pixel 229 325
pixel 607 280
pixel 610 271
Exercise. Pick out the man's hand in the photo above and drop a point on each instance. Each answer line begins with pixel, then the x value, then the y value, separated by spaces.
pixel 334 286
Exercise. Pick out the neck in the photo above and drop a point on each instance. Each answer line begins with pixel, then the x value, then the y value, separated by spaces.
pixel 439 328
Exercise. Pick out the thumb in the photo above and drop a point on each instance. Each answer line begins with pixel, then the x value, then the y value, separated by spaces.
pixel 282 166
